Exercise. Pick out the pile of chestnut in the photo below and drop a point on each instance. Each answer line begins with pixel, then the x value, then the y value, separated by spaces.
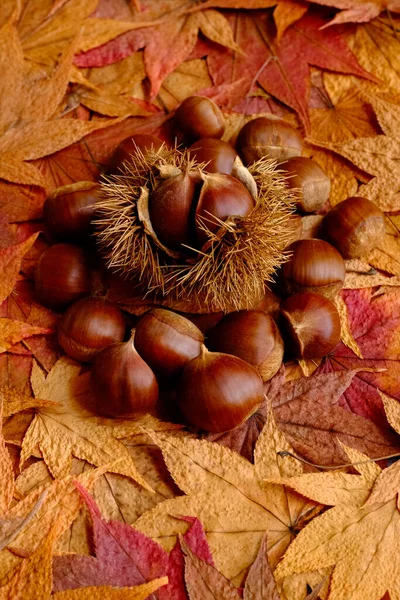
pixel 216 374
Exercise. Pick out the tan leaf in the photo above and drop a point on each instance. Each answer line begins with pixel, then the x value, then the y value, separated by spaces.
pixel 15 171
pixel 215 26
pixel 60 505
pixel 356 281
pixel 186 80
pixel 287 13
pixel 14 402
pixel 96 32
pixel 227 494
pixel 139 592
pixel 12 332
pixel 113 106
pixel 32 579
pixel 10 264
pixel 68 430
pixel 345 333
pixel 358 539
pixel 6 472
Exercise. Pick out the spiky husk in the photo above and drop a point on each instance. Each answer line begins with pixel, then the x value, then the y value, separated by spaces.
pixel 231 270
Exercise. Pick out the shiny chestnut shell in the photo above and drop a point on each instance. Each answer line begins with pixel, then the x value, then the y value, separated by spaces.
pixel 269 137
pixel 199 117
pixel 310 181
pixel 218 392
pixel 122 382
pixel 61 276
pixel 310 325
pixel 253 336
pixel 142 142
pixel 354 226
pixel 219 156
pixel 167 341
pixel 69 211
pixel 314 266
pixel 88 326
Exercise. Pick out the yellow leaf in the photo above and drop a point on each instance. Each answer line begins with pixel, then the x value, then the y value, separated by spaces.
pixel 345 333
pixel 12 332
pixel 139 592
pixel 229 496
pixel 186 80
pixel 10 264
pixel 287 13
pixel 14 402
pixel 6 472
pixel 359 540
pixel 68 430
pixel 96 32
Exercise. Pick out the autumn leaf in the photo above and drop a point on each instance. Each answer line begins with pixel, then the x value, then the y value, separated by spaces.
pixel 359 11
pixel 312 414
pixel 46 505
pixel 178 33
pixel 373 322
pixel 139 592
pixel 358 538
pixel 68 429
pixel 12 332
pixel 6 472
pixel 281 69
pixel 227 494
pixel 10 264
pixel 29 104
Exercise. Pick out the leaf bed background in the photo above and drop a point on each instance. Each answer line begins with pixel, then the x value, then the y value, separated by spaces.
pixel 99 508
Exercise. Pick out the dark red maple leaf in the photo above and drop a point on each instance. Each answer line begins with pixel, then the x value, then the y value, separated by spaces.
pixel 125 557
pixel 374 322
pixel 307 410
pixel 281 69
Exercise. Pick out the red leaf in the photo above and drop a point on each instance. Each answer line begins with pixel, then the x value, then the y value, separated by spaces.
pixel 125 557
pixel 282 70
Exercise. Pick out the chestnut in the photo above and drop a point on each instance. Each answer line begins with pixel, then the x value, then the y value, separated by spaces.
pixel 354 226
pixel 142 142
pixel 69 210
pixel 251 335
pixel 314 266
pixel 219 156
pixel 271 137
pixel 310 325
pixel 167 341
pixel 88 326
pixel 221 196
pixel 310 180
pixel 122 382
pixel 199 117
pixel 218 392
pixel 171 210
pixel 61 276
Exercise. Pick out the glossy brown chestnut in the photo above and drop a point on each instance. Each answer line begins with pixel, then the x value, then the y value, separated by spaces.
pixel 269 137
pixel 69 210
pixel 88 326
pixel 315 266
pixel 171 210
pixel 122 382
pixel 61 276
pixel 251 335
pixel 312 183
pixel 217 392
pixel 167 341
pixel 221 196
pixel 310 325
pixel 354 226
pixel 142 142
pixel 219 156
pixel 199 117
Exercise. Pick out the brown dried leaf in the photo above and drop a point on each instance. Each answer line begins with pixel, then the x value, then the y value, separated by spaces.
pixel 139 592
pixel 345 334
pixel 6 472
pixel 10 264
pixel 12 332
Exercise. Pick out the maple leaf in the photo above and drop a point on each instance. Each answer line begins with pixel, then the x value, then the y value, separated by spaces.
pixel 281 69
pixel 373 322
pixel 58 433
pixel 10 264
pixel 178 32
pixel 12 332
pixel 227 494
pixel 37 513
pixel 6 472
pixel 29 103
pixel 356 536
pixel 126 557
pixel 311 413
pixel 359 11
